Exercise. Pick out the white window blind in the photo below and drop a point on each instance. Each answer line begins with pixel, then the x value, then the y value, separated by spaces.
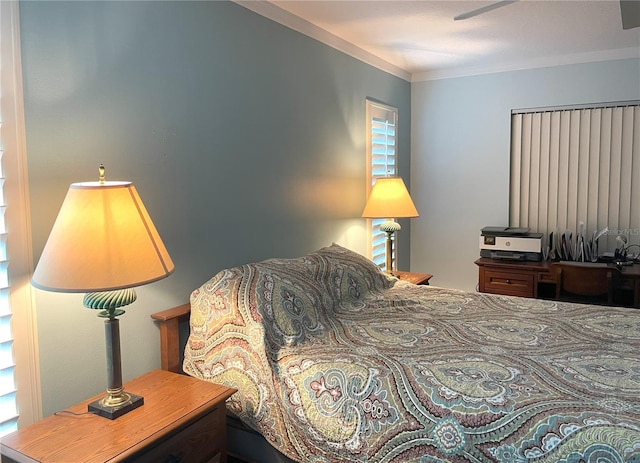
pixel 382 128
pixel 577 169
pixel 8 409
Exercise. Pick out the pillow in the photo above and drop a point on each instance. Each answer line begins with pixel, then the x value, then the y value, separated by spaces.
pixel 352 278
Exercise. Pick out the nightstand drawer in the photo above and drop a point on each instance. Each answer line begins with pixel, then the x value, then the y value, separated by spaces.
pixel 508 283
pixel 201 442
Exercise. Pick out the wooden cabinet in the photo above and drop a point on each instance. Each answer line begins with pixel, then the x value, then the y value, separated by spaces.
pixel 511 284
pixel 510 278
pixel 182 420
pixel 413 277
pixel 513 278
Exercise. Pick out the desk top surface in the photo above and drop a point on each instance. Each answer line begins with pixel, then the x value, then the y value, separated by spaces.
pixel 632 271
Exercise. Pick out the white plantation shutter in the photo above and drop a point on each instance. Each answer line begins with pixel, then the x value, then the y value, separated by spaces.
pixel 8 409
pixel 382 129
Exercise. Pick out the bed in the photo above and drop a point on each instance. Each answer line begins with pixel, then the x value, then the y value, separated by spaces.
pixel 335 361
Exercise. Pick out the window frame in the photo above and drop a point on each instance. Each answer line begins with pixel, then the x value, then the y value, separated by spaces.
pixel 17 219
pixel 375 237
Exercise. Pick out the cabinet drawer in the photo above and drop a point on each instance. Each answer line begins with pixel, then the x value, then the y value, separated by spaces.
pixel 546 277
pixel 201 442
pixel 508 283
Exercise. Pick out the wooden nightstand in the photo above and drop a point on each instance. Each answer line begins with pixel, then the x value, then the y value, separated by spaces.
pixel 413 277
pixel 182 419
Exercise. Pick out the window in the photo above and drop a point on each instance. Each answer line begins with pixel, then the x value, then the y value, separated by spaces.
pixel 20 402
pixel 577 169
pixel 382 127
pixel 8 406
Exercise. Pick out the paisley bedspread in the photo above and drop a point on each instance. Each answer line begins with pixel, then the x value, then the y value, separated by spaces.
pixel 336 362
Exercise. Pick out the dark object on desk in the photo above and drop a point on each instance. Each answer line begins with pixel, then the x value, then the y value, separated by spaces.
pixel 616 259
pixel 504 231
pixel 607 258
pixel 580 282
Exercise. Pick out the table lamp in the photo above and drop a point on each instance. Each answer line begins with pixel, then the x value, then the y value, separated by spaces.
pixel 104 243
pixel 389 199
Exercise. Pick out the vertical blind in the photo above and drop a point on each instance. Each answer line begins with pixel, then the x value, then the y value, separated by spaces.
pixel 577 169
pixel 382 121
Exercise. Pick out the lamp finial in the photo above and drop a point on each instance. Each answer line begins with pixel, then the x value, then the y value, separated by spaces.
pixel 101 171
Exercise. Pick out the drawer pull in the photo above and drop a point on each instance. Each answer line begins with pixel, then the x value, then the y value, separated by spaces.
pixel 508 282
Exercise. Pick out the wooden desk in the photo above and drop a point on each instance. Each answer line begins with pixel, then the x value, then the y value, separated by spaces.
pixel 534 279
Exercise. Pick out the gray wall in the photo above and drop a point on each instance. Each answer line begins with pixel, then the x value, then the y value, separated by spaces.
pixel 460 144
pixel 245 140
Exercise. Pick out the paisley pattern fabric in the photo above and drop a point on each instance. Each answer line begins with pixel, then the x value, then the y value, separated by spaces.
pixel 336 362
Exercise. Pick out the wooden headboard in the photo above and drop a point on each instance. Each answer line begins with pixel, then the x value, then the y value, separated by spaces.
pixel 169 321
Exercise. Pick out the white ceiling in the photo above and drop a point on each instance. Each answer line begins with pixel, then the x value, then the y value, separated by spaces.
pixel 419 40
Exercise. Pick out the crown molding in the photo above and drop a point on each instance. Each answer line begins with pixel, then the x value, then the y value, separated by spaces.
pixel 552 61
pixel 274 13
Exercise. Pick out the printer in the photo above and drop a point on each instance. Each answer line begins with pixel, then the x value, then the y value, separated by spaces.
pixel 510 243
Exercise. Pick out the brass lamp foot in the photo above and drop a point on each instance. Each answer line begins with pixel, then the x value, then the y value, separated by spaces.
pixel 114 406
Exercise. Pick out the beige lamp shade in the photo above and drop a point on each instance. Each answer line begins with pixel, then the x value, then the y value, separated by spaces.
pixel 103 239
pixel 389 198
